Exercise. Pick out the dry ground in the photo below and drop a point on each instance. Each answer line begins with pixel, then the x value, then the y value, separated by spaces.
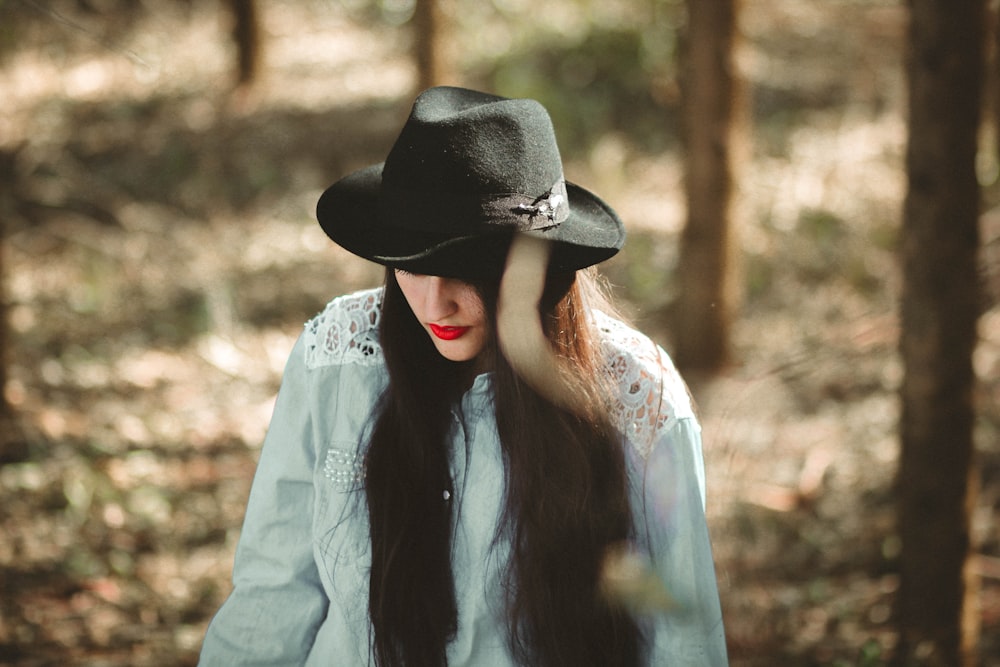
pixel 161 257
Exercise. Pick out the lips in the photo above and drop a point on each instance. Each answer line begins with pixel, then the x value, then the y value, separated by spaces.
pixel 447 333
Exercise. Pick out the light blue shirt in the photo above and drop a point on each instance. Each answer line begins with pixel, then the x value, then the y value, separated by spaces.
pixel 300 577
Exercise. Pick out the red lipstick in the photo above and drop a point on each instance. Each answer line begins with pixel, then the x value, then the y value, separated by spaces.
pixel 447 333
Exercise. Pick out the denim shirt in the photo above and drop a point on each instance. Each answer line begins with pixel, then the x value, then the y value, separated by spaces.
pixel 300 577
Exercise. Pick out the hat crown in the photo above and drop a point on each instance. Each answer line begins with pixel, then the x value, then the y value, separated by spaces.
pixel 468 171
pixel 468 142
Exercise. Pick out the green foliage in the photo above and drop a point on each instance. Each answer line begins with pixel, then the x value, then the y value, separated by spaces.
pixel 822 239
pixel 884 234
pixel 820 226
pixel 758 274
pixel 822 248
pixel 641 267
pixel 391 12
pixel 869 655
pixel 602 81
pixel 188 317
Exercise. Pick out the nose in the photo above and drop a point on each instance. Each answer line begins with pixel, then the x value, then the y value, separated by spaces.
pixel 439 299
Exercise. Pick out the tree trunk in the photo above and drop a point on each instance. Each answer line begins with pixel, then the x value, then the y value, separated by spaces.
pixel 714 131
pixel 992 82
pixel 247 38
pixel 940 304
pixel 5 409
pixel 428 26
pixel 13 445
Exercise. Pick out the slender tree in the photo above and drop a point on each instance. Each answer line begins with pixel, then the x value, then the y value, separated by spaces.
pixel 940 304
pixel 428 27
pixel 13 446
pixel 5 409
pixel 714 132
pixel 246 34
pixel 991 91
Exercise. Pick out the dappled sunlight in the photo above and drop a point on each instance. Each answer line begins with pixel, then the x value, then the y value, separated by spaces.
pixel 849 165
pixel 161 257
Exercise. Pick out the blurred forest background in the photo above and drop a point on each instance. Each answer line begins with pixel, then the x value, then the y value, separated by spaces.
pixel 161 256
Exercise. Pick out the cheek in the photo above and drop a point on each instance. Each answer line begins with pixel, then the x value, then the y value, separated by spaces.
pixel 473 306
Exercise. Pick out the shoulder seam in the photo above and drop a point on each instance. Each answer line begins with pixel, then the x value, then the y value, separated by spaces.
pixel 346 331
pixel 651 394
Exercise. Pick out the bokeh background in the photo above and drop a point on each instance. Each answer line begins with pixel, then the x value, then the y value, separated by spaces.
pixel 161 256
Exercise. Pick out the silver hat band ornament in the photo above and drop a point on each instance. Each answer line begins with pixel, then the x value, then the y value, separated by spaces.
pixel 462 214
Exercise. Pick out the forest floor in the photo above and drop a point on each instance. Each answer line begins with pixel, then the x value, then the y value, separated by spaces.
pixel 161 257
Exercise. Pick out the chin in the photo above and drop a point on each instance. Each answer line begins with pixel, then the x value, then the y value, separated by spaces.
pixel 458 353
pixel 456 356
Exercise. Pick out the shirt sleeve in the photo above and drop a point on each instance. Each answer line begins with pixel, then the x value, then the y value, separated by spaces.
pixel 277 603
pixel 669 501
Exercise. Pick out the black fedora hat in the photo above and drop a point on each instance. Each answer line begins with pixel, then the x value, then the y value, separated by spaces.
pixel 468 170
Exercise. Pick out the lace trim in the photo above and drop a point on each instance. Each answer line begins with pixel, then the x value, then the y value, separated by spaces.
pixel 652 394
pixel 346 332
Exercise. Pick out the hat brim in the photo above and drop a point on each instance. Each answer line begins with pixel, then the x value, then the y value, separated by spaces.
pixel 349 212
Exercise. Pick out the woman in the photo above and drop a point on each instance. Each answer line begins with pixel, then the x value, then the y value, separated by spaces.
pixel 430 493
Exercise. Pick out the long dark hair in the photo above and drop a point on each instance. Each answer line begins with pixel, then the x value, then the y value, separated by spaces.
pixel 566 500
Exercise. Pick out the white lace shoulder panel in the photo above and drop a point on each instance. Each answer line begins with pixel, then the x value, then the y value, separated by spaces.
pixel 651 393
pixel 346 332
